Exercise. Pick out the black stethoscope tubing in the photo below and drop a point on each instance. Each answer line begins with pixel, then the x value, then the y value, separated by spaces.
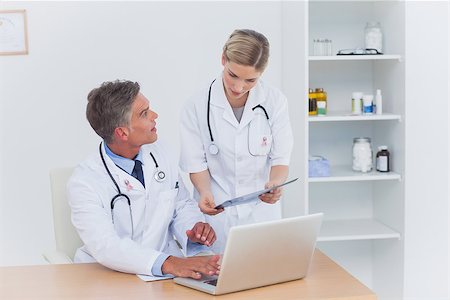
pixel 118 195
pixel 213 149
pixel 159 177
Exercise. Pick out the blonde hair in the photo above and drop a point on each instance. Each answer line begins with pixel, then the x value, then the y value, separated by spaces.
pixel 248 48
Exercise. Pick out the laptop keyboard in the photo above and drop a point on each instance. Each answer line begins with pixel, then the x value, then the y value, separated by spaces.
pixel 211 282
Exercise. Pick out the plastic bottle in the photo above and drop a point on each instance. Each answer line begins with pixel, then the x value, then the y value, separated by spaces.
pixel 367 104
pixel 357 103
pixel 379 103
pixel 383 159
pixel 321 101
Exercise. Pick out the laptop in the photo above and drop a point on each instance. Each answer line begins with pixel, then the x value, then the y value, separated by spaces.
pixel 262 254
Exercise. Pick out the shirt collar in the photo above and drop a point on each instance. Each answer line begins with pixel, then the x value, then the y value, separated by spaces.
pixel 125 164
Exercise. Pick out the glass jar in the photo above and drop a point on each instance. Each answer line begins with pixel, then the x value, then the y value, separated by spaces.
pixel 362 154
pixel 374 36
pixel 312 99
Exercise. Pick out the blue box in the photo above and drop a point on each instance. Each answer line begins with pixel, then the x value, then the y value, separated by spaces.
pixel 318 166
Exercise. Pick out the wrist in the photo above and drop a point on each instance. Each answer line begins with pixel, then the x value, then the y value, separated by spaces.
pixel 168 265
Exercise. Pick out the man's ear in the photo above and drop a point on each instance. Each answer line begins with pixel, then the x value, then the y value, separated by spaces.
pixel 121 133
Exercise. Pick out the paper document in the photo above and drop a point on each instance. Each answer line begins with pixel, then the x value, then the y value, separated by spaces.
pixel 249 198
pixel 153 278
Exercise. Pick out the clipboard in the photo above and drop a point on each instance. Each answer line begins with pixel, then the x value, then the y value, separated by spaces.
pixel 252 197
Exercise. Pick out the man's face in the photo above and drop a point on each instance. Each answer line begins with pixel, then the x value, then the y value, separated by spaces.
pixel 238 80
pixel 142 128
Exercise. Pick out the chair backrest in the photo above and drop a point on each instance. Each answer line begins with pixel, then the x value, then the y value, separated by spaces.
pixel 66 236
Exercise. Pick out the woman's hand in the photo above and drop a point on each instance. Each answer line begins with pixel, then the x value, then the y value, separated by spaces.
pixel 274 195
pixel 207 204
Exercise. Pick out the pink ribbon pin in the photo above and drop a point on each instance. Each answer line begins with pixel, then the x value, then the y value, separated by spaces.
pixel 128 184
pixel 264 141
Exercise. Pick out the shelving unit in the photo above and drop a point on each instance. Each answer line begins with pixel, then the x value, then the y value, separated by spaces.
pixel 357 229
pixel 345 173
pixel 355 57
pixel 346 116
pixel 363 212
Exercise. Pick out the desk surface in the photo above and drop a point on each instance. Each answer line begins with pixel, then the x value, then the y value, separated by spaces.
pixel 326 280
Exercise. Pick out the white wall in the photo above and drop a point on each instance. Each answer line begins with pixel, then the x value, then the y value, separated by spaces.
pixel 427 135
pixel 171 48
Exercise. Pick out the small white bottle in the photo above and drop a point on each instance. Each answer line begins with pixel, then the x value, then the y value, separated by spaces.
pixel 379 103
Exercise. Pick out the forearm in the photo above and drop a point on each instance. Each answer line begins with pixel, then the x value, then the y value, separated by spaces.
pixel 201 181
pixel 279 173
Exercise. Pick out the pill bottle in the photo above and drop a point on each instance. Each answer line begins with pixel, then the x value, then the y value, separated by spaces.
pixel 357 103
pixel 383 159
pixel 362 154
pixel 367 104
pixel 321 97
pixel 312 99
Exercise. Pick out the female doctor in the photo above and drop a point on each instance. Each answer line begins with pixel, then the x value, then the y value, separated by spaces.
pixel 237 137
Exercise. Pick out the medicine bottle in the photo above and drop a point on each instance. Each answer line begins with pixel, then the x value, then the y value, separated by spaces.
pixel 357 103
pixel 321 97
pixel 312 99
pixel 383 157
pixel 362 154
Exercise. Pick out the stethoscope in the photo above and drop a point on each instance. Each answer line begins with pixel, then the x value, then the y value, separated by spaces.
pixel 159 176
pixel 213 149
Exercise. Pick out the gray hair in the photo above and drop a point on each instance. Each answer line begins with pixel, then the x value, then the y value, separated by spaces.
pixel 109 107
pixel 248 48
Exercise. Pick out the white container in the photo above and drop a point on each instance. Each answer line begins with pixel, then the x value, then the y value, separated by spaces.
pixel 374 36
pixel 357 103
pixel 367 104
pixel 321 108
pixel 362 154
pixel 379 103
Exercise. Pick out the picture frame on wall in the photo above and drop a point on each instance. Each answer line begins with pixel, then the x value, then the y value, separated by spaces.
pixel 13 32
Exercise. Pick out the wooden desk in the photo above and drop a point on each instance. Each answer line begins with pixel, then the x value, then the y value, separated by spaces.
pixel 326 280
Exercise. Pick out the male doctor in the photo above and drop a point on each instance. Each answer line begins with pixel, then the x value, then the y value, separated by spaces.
pixel 128 200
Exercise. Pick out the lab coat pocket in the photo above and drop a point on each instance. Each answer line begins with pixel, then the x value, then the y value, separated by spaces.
pixel 166 200
pixel 259 136
pixel 159 214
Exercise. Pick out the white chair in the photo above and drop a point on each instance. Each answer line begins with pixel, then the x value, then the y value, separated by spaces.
pixel 66 236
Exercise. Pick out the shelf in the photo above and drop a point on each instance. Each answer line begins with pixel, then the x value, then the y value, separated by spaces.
pixel 355 57
pixel 345 116
pixel 345 173
pixel 357 229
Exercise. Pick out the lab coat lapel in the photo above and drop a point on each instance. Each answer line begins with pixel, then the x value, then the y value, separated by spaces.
pixel 255 98
pixel 218 99
pixel 126 182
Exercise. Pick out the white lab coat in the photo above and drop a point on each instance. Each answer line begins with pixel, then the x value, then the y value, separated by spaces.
pixel 159 212
pixel 234 171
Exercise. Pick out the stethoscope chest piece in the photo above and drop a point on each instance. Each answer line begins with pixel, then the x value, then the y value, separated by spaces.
pixel 213 149
pixel 160 176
